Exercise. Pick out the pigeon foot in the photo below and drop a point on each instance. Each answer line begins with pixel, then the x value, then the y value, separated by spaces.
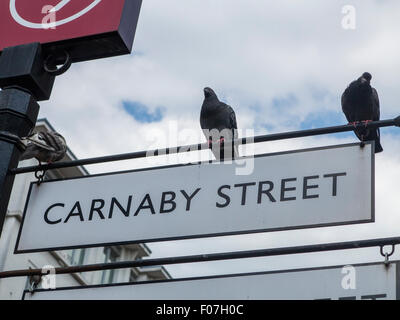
pixel 366 122
pixel 220 141
pixel 354 124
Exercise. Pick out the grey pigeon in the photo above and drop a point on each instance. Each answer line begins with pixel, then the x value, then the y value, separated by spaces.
pixel 44 146
pixel 360 103
pixel 218 121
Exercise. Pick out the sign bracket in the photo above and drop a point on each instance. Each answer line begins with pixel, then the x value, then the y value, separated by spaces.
pixel 39 175
pixel 386 254
pixel 52 60
pixel 34 281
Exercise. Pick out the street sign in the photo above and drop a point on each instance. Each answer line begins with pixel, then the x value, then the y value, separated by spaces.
pixel 288 190
pixel 362 281
pixel 86 29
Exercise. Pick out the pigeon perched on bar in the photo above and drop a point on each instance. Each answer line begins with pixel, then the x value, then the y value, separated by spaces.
pixel 360 103
pixel 44 146
pixel 218 121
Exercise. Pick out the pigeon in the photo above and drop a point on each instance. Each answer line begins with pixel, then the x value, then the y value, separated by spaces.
pixel 44 146
pixel 360 103
pixel 218 122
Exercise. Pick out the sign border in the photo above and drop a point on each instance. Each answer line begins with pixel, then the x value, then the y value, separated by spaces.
pixel 396 263
pixel 372 219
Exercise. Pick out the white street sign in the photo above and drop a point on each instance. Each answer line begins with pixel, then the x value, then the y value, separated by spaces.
pixel 289 190
pixel 363 281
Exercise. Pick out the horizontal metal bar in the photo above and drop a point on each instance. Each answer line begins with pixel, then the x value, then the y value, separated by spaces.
pixel 211 257
pixel 204 146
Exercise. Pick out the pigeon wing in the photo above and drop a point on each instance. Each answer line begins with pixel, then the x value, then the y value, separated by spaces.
pixel 346 107
pixel 232 118
pixel 375 105
pixel 233 125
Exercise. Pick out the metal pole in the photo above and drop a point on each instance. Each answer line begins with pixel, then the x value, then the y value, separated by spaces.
pixel 24 82
pixel 204 146
pixel 18 114
pixel 211 257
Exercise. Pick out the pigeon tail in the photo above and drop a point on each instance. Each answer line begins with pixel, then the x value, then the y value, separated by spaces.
pixel 370 135
pixel 378 146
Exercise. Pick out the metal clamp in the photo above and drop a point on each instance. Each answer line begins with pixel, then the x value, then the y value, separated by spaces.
pixel 50 64
pixel 40 174
pixel 11 138
pixel 387 255
pixel 34 282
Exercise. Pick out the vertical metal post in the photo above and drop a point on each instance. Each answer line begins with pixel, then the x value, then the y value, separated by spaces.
pixel 18 114
pixel 24 82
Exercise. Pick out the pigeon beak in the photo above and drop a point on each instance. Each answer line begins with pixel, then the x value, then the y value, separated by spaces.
pixel 363 80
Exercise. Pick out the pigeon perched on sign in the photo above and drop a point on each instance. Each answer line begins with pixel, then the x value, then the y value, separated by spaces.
pixel 218 121
pixel 360 103
pixel 44 146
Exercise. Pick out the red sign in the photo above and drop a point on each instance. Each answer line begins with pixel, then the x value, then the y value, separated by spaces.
pixel 88 29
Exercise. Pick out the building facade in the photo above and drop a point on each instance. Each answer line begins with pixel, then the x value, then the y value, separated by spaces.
pixel 12 288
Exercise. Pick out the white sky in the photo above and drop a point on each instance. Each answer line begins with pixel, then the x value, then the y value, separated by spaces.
pixel 253 53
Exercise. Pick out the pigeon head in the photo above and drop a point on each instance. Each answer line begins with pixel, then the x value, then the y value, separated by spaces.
pixel 367 76
pixel 362 84
pixel 360 88
pixel 208 93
